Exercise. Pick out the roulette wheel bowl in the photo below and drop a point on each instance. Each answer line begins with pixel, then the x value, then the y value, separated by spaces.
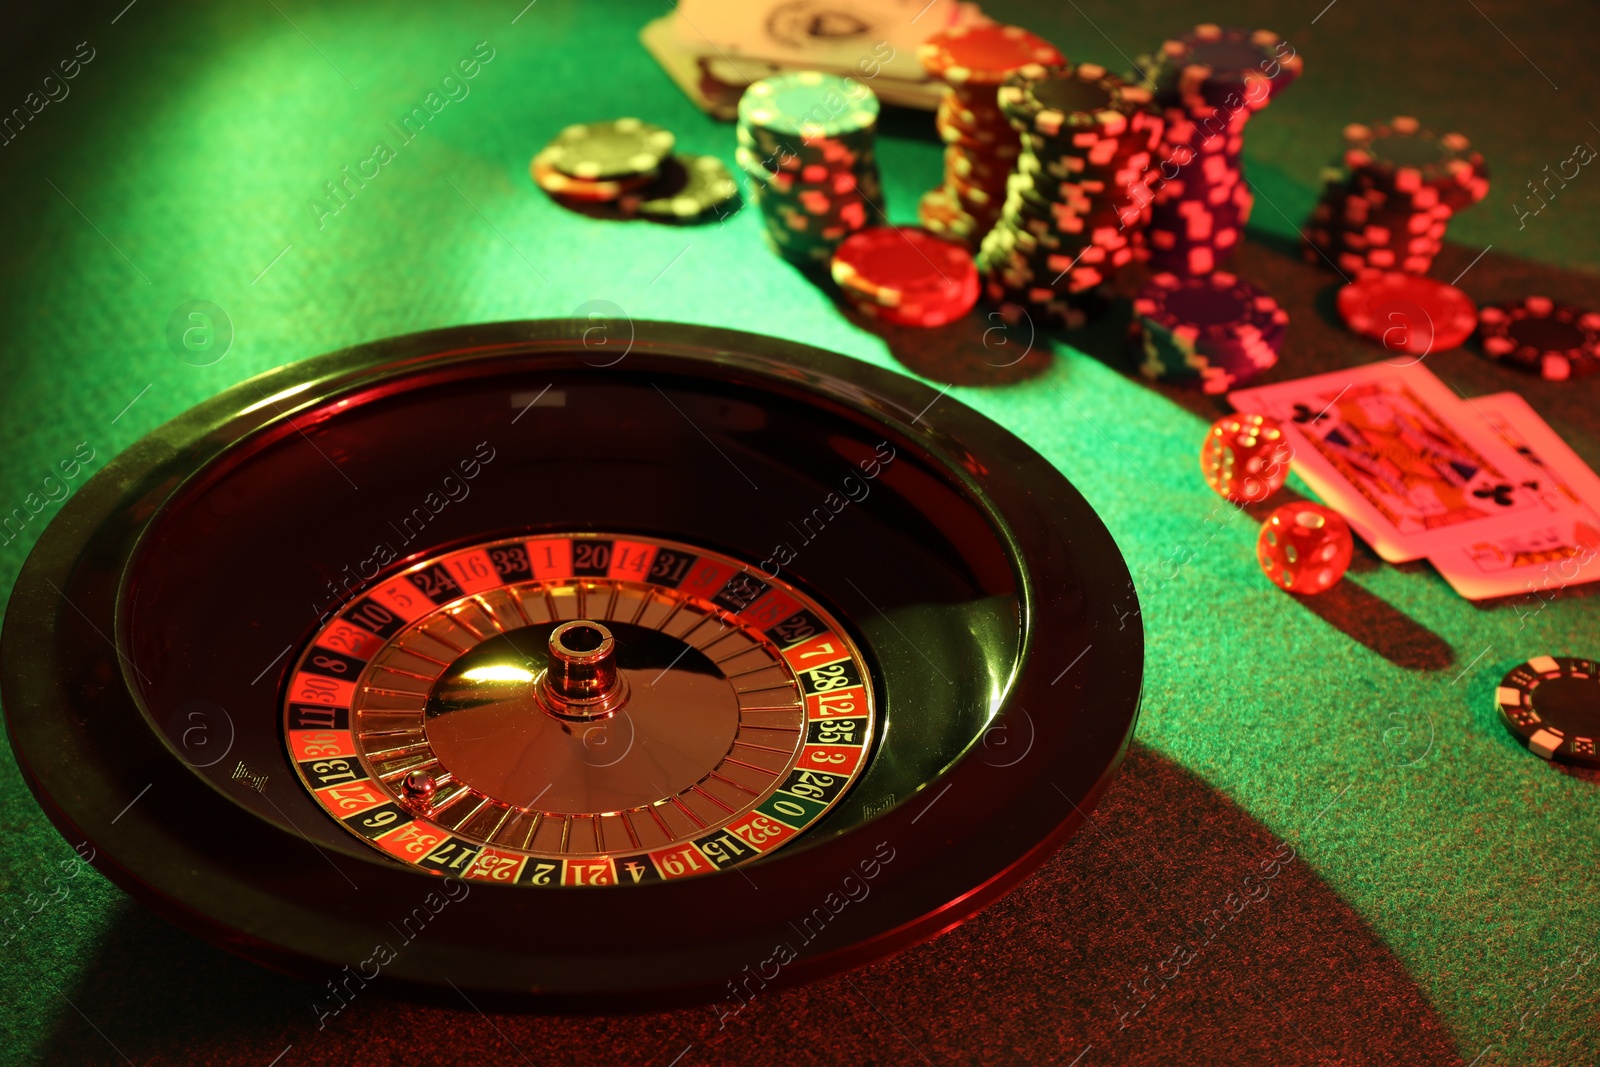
pixel 974 584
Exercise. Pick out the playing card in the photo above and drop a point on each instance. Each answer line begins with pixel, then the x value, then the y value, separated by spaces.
pixel 695 70
pixel 818 34
pixel 1402 458
pixel 714 76
pixel 1515 420
pixel 1561 552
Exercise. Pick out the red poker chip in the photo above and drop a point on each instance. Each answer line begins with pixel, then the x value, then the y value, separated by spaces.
pixel 1553 340
pixel 941 213
pixel 975 200
pixel 983 54
pixel 1407 312
pixel 927 313
pixel 980 167
pixel 954 131
pixel 588 190
pixel 904 267
pixel 973 115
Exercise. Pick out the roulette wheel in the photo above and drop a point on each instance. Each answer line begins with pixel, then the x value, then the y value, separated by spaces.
pixel 487 658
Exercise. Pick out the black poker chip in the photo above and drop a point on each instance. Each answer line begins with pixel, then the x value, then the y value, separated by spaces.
pixel 688 188
pixel 1214 331
pixel 1552 705
pixel 1538 335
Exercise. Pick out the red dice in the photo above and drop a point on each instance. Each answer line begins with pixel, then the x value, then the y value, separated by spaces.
pixel 1304 548
pixel 1245 457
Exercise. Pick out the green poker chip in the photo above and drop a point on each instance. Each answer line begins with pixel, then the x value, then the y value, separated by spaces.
pixel 809 105
pixel 620 148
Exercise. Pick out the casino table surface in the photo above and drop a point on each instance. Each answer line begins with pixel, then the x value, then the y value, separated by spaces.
pixel 1440 897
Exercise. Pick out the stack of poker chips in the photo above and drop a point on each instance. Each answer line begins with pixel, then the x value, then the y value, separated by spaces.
pixel 599 162
pixel 806 141
pixel 981 145
pixel 1075 206
pixel 906 276
pixel 1211 332
pixel 1390 204
pixel 1208 83
pixel 627 165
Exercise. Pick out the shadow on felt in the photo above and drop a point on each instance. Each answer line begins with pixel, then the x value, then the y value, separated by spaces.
pixel 1034 978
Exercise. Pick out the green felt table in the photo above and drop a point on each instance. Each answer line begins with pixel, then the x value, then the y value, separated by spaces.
pixel 1443 899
